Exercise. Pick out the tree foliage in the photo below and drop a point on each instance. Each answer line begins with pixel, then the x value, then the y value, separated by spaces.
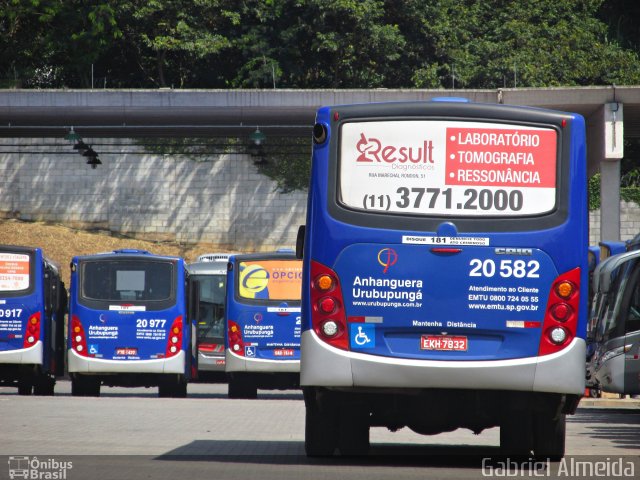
pixel 318 44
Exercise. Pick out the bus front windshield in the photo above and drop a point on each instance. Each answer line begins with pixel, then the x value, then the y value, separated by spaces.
pixel 211 307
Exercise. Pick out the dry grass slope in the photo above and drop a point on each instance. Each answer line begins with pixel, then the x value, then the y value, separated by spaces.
pixel 61 243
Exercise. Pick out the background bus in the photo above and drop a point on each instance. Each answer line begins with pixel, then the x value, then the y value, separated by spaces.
pixel 128 323
pixel 33 302
pixel 210 271
pixel 614 326
pixel 445 273
pixel 263 322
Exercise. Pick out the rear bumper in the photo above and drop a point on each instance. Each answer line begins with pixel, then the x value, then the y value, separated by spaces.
pixel 323 365
pixel 236 363
pixel 22 356
pixel 79 364
pixel 211 363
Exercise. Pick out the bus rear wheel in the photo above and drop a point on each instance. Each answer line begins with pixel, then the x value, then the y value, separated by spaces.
pixel 25 387
pixel 516 433
pixel 321 425
pixel 549 433
pixel 44 386
pixel 173 389
pixel 353 430
pixel 82 386
pixel 240 387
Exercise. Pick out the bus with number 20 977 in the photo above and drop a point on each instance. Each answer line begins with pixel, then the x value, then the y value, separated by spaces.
pixel 129 323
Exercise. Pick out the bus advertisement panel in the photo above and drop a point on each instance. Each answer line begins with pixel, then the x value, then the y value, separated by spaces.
pixel 129 324
pixel 263 322
pixel 32 309
pixel 445 254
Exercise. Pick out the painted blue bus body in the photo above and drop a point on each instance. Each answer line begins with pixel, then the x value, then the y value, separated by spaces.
pixel 435 305
pixel 33 304
pixel 262 338
pixel 129 323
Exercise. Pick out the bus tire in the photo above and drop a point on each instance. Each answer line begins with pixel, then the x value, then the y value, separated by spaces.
pixel 353 430
pixel 549 433
pixel 85 387
pixel 175 389
pixel 44 386
pixel 242 388
pixel 320 431
pixel 25 387
pixel 516 433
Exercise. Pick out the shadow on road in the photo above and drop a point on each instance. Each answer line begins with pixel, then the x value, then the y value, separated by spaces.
pixel 292 453
pixel 620 426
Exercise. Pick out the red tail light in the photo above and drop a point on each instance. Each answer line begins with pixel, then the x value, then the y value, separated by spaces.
pixel 78 338
pixel 328 317
pixel 32 332
pixel 561 316
pixel 236 344
pixel 174 342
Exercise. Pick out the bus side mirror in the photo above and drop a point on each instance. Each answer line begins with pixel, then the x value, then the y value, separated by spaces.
pixel 300 242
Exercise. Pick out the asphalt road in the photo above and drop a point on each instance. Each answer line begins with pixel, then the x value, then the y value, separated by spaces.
pixel 133 434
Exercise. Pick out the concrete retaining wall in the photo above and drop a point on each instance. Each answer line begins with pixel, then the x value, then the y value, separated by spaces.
pixel 221 199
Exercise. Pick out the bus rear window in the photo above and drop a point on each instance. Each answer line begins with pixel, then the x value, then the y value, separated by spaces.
pixel 129 280
pixel 270 280
pixel 448 168
pixel 15 272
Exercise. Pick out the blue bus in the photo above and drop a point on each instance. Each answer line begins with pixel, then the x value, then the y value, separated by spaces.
pixel 33 303
pixel 444 273
pixel 129 323
pixel 210 271
pixel 262 338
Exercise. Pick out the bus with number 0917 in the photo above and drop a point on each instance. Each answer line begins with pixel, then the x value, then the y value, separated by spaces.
pixel 262 338
pixel 444 273
pixel 33 304
pixel 129 323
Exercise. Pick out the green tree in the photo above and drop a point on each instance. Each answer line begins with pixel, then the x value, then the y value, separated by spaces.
pixel 169 37
pixel 317 44
pixel 523 43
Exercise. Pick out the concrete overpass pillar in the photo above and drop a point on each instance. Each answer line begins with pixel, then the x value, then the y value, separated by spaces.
pixel 611 153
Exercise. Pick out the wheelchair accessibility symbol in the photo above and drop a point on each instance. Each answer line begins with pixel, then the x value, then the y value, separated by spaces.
pixel 363 335
pixel 250 351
